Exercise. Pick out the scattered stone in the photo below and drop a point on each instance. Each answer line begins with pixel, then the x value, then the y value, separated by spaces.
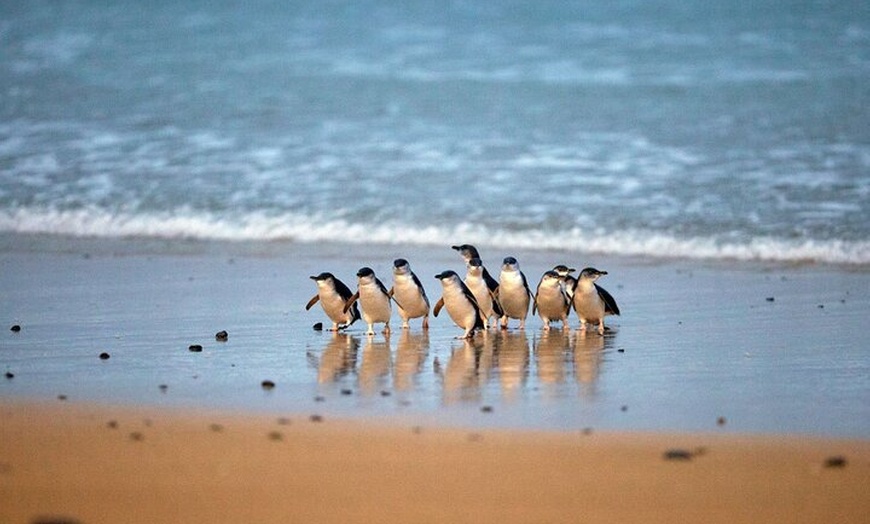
pixel 475 437
pixel 112 424
pixel 620 350
pixel 587 431
pixel 385 393
pixel 10 375
pixel 318 326
pixel 624 408
pixel 147 422
pixel 276 436
pixel 837 461
pixel 678 454
pixel 163 388
pixel 316 418
pixel 821 306
pixel 721 421
pixel 105 356
pixel 770 299
pixel 283 421
pixel 486 409
pixel 221 336
pixel 319 398
pixel 217 428
pixel 62 397
pixel 417 430
pixel 347 392
pixel 196 348
pixel 137 436
pixel 267 384
pixel 15 328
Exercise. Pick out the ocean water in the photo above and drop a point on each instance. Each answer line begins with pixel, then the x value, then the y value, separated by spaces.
pixel 674 128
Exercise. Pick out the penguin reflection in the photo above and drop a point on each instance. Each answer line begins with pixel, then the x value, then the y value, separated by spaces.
pixel 462 377
pixel 588 351
pixel 552 349
pixel 411 352
pixel 511 360
pixel 375 365
pixel 337 359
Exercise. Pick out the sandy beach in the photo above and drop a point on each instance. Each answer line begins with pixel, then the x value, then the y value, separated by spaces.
pixel 725 393
pixel 86 463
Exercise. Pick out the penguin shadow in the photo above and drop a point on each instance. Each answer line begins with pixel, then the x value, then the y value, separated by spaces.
pixel 412 349
pixel 375 365
pixel 337 359
pixel 588 352
pixel 462 376
pixel 552 353
pixel 510 361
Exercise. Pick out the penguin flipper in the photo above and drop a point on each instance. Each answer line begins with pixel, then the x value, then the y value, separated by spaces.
pixel 496 307
pixel 438 306
pixel 535 305
pixel 311 302
pixel 353 298
pixel 609 302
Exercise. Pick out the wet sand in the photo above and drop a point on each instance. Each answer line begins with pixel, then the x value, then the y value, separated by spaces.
pixel 86 463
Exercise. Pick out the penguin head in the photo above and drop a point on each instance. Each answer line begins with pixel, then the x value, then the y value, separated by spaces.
pixel 323 279
pixel 551 277
pixel 563 270
pixel 401 266
pixel 510 264
pixel 447 276
pixel 365 273
pixel 475 266
pixel 590 273
pixel 467 251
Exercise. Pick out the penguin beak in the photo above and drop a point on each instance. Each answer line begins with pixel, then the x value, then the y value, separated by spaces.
pixel 312 277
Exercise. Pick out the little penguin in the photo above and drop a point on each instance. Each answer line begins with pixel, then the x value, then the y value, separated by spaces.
pixel 591 301
pixel 565 275
pixel 374 298
pixel 514 294
pixel 333 295
pixel 460 302
pixel 409 294
pixel 469 252
pixel 551 300
pixel 489 306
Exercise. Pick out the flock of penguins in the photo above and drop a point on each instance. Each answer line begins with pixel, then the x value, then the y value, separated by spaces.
pixel 472 302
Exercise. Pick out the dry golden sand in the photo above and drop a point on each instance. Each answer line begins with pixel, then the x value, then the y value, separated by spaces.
pixel 107 464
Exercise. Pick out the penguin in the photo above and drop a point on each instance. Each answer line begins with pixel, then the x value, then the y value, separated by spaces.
pixel 565 275
pixel 485 299
pixel 591 301
pixel 551 300
pixel 409 294
pixel 460 302
pixel 333 295
pixel 514 294
pixel 375 300
pixel 469 252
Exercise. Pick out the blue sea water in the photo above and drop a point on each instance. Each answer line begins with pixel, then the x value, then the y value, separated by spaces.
pixel 730 130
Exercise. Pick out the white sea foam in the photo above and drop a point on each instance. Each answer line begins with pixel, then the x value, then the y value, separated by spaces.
pixel 309 229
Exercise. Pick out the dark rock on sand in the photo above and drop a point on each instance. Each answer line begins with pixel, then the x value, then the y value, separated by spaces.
pixel 196 348
pixel 318 326
pixel 267 384
pixel 105 356
pixel 678 454
pixel 838 461
pixel 10 375
pixel 221 336
pixel 15 328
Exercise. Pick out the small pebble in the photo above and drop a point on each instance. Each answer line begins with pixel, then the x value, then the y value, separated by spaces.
pixel 770 299
pixel 721 421
pixel 221 336
pixel 417 430
pixel 267 384
pixel 347 392
pixel 620 350
pixel 319 398
pixel 196 348
pixel 163 388
pixel 486 409
pixel 137 436
pixel 678 454
pixel 838 461
pixel 217 428
pixel 318 326
pixel 62 397
pixel 821 306
pixel 104 356
pixel 15 328
pixel 475 437
pixel 624 408
pixel 385 393
pixel 316 418
pixel 112 424
pixel 10 375
pixel 587 431
pixel 283 421
pixel 276 436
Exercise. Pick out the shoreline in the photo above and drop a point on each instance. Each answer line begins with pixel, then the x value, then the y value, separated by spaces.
pixel 88 463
